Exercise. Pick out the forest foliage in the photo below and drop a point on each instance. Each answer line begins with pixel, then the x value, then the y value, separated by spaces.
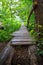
pixel 8 21
pixel 12 13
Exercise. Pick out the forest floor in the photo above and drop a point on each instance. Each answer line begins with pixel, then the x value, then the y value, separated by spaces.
pixel 2 45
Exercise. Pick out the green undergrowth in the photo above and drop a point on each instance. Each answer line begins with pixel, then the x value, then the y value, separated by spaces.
pixel 38 35
pixel 9 28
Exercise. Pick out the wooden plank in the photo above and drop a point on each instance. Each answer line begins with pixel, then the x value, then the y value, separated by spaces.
pixel 24 37
pixel 19 34
pixel 22 40
pixel 22 43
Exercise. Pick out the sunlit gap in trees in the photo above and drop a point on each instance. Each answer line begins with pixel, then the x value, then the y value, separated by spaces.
pixel 16 0
pixel 0 5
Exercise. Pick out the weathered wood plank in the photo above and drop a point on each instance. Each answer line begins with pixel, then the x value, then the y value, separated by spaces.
pixel 22 43
pixel 23 37
pixel 20 35
pixel 22 40
pixel 21 32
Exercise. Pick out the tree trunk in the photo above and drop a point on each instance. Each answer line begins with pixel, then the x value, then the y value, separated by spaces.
pixel 39 12
pixel 33 8
pixel 39 18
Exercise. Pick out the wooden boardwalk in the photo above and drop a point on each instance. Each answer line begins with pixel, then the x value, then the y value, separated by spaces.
pixel 20 50
pixel 24 48
pixel 22 37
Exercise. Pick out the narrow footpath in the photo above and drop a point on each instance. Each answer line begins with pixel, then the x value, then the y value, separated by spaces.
pixel 20 50
pixel 22 37
pixel 24 48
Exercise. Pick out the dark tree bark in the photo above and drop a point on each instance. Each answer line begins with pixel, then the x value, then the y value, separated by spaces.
pixel 39 16
pixel 39 12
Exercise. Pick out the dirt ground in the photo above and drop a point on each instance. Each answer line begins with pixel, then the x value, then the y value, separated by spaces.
pixel 2 46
